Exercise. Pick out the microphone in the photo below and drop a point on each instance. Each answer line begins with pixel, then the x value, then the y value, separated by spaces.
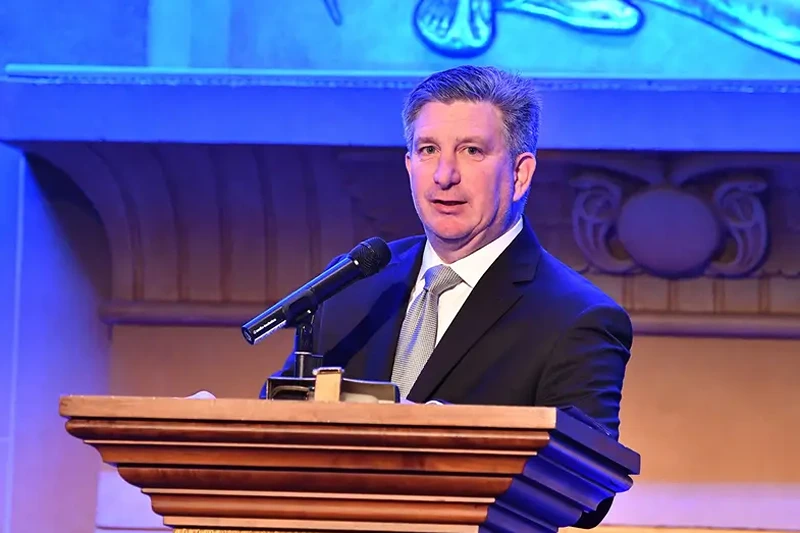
pixel 366 259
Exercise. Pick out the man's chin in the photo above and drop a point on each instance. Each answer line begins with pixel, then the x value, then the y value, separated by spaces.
pixel 451 235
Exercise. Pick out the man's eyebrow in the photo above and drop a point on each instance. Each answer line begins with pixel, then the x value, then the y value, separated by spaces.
pixel 472 139
pixel 475 139
pixel 424 140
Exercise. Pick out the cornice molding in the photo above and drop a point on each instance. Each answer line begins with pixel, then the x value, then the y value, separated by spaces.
pixel 378 79
pixel 143 104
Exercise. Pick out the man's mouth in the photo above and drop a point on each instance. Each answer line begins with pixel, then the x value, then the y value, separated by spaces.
pixel 449 203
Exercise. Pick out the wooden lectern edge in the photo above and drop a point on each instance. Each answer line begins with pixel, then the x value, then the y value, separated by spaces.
pixel 588 436
pixel 340 413
pixel 287 411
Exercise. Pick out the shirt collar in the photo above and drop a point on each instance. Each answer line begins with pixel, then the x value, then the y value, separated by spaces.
pixel 472 267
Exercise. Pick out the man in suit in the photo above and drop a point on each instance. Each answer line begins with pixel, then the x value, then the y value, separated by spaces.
pixel 476 311
pixel 518 327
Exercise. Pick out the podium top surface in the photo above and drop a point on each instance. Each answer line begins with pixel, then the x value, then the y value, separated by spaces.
pixel 247 410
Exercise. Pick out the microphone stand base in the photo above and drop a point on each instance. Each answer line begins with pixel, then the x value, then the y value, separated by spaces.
pixel 330 385
pixel 314 382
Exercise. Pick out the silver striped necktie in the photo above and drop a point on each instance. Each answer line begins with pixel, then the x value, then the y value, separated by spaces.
pixel 418 334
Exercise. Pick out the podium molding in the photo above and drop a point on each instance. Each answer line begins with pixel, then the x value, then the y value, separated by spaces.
pixel 227 465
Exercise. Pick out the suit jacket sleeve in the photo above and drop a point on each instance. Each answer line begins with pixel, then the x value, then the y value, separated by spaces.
pixel 586 371
pixel 587 366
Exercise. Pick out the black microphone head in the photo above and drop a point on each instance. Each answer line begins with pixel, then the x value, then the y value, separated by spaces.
pixel 371 255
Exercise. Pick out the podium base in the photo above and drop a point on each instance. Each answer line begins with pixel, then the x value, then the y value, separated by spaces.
pixel 324 526
pixel 243 531
pixel 400 529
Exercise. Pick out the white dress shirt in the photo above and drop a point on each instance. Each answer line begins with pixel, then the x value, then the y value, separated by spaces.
pixel 470 269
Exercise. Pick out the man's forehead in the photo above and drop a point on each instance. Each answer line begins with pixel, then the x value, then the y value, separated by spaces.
pixel 475 115
pixel 471 133
pixel 452 121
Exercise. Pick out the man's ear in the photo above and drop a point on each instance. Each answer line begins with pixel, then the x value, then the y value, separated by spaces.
pixel 524 167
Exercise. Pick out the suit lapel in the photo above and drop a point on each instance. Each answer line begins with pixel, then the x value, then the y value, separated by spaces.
pixel 500 288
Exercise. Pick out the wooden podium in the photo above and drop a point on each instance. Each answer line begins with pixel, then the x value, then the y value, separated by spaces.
pixel 229 465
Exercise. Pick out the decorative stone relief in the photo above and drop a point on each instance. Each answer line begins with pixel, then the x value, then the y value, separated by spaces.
pixel 670 230
pixel 218 230
pixel 746 222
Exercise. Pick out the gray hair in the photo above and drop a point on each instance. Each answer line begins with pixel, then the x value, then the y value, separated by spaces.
pixel 514 96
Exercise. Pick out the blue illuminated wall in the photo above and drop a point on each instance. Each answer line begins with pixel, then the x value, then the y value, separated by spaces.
pixel 677 39
pixel 657 74
pixel 50 31
pixel 54 272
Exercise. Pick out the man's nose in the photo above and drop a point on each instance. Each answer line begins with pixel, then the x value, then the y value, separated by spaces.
pixel 447 173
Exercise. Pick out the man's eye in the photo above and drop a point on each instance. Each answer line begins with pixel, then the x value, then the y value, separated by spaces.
pixel 427 150
pixel 474 150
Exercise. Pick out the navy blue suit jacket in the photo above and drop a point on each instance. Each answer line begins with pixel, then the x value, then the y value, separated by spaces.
pixel 533 332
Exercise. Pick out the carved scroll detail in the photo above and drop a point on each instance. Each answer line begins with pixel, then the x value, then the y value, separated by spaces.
pixel 594 217
pixel 746 221
pixel 671 231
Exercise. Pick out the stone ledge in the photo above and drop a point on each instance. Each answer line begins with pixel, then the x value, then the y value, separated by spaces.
pixel 659 324
pixel 648 508
pixel 600 529
pixel 642 529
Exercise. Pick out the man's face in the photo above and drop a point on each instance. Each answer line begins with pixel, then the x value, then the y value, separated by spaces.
pixel 463 180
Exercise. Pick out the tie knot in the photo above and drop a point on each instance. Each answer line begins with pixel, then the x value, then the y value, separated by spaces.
pixel 440 278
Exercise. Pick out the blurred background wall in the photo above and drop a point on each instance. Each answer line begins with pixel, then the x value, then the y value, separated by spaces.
pixel 170 168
